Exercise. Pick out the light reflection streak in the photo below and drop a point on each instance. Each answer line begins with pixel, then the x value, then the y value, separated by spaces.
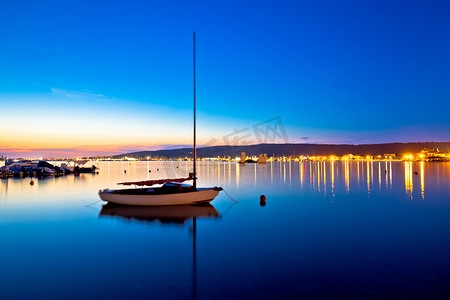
pixel 379 175
pixel 346 176
pixel 325 178
pixel 357 165
pixel 390 174
pixel 271 171
pixel 218 172
pixel 281 171
pixel 371 172
pixel 368 177
pixel 332 177
pixel 408 179
pixel 238 171
pixel 318 176
pixel 255 174
pixel 386 173
pixel 422 180
pixel 301 167
pixel 289 171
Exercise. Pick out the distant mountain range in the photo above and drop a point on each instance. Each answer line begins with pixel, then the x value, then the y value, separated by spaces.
pixel 293 149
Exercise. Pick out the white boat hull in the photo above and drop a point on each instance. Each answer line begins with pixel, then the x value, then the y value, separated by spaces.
pixel 201 195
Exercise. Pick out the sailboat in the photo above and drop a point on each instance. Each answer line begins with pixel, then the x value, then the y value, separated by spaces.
pixel 172 191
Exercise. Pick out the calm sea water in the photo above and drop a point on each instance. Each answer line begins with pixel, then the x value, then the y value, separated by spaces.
pixel 328 230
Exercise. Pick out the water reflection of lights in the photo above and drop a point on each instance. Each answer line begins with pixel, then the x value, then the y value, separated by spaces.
pixel 238 173
pixel 371 172
pixel 386 173
pixel 255 173
pixel 318 176
pixel 271 171
pixel 302 170
pixel 390 174
pixel 347 176
pixel 281 170
pixel 422 180
pixel 408 179
pixel 332 177
pixel 218 172
pixel 379 175
pixel 368 177
pixel 357 166
pixel 290 171
pixel 229 172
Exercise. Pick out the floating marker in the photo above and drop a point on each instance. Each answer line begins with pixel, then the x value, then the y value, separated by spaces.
pixel 262 200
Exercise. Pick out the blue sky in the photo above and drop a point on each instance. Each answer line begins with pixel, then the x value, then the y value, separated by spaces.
pixel 118 74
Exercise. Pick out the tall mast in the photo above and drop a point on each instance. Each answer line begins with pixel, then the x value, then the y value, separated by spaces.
pixel 195 146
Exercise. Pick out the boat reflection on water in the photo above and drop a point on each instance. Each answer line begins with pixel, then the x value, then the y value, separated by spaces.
pixel 178 214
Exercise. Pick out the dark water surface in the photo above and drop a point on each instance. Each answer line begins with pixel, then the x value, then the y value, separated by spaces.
pixel 328 230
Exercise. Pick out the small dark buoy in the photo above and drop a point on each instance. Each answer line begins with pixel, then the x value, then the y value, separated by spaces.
pixel 385 171
pixel 262 200
pixel 125 171
pixel 157 169
pixel 416 173
pixel 31 182
pixel 177 167
pixel 149 171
